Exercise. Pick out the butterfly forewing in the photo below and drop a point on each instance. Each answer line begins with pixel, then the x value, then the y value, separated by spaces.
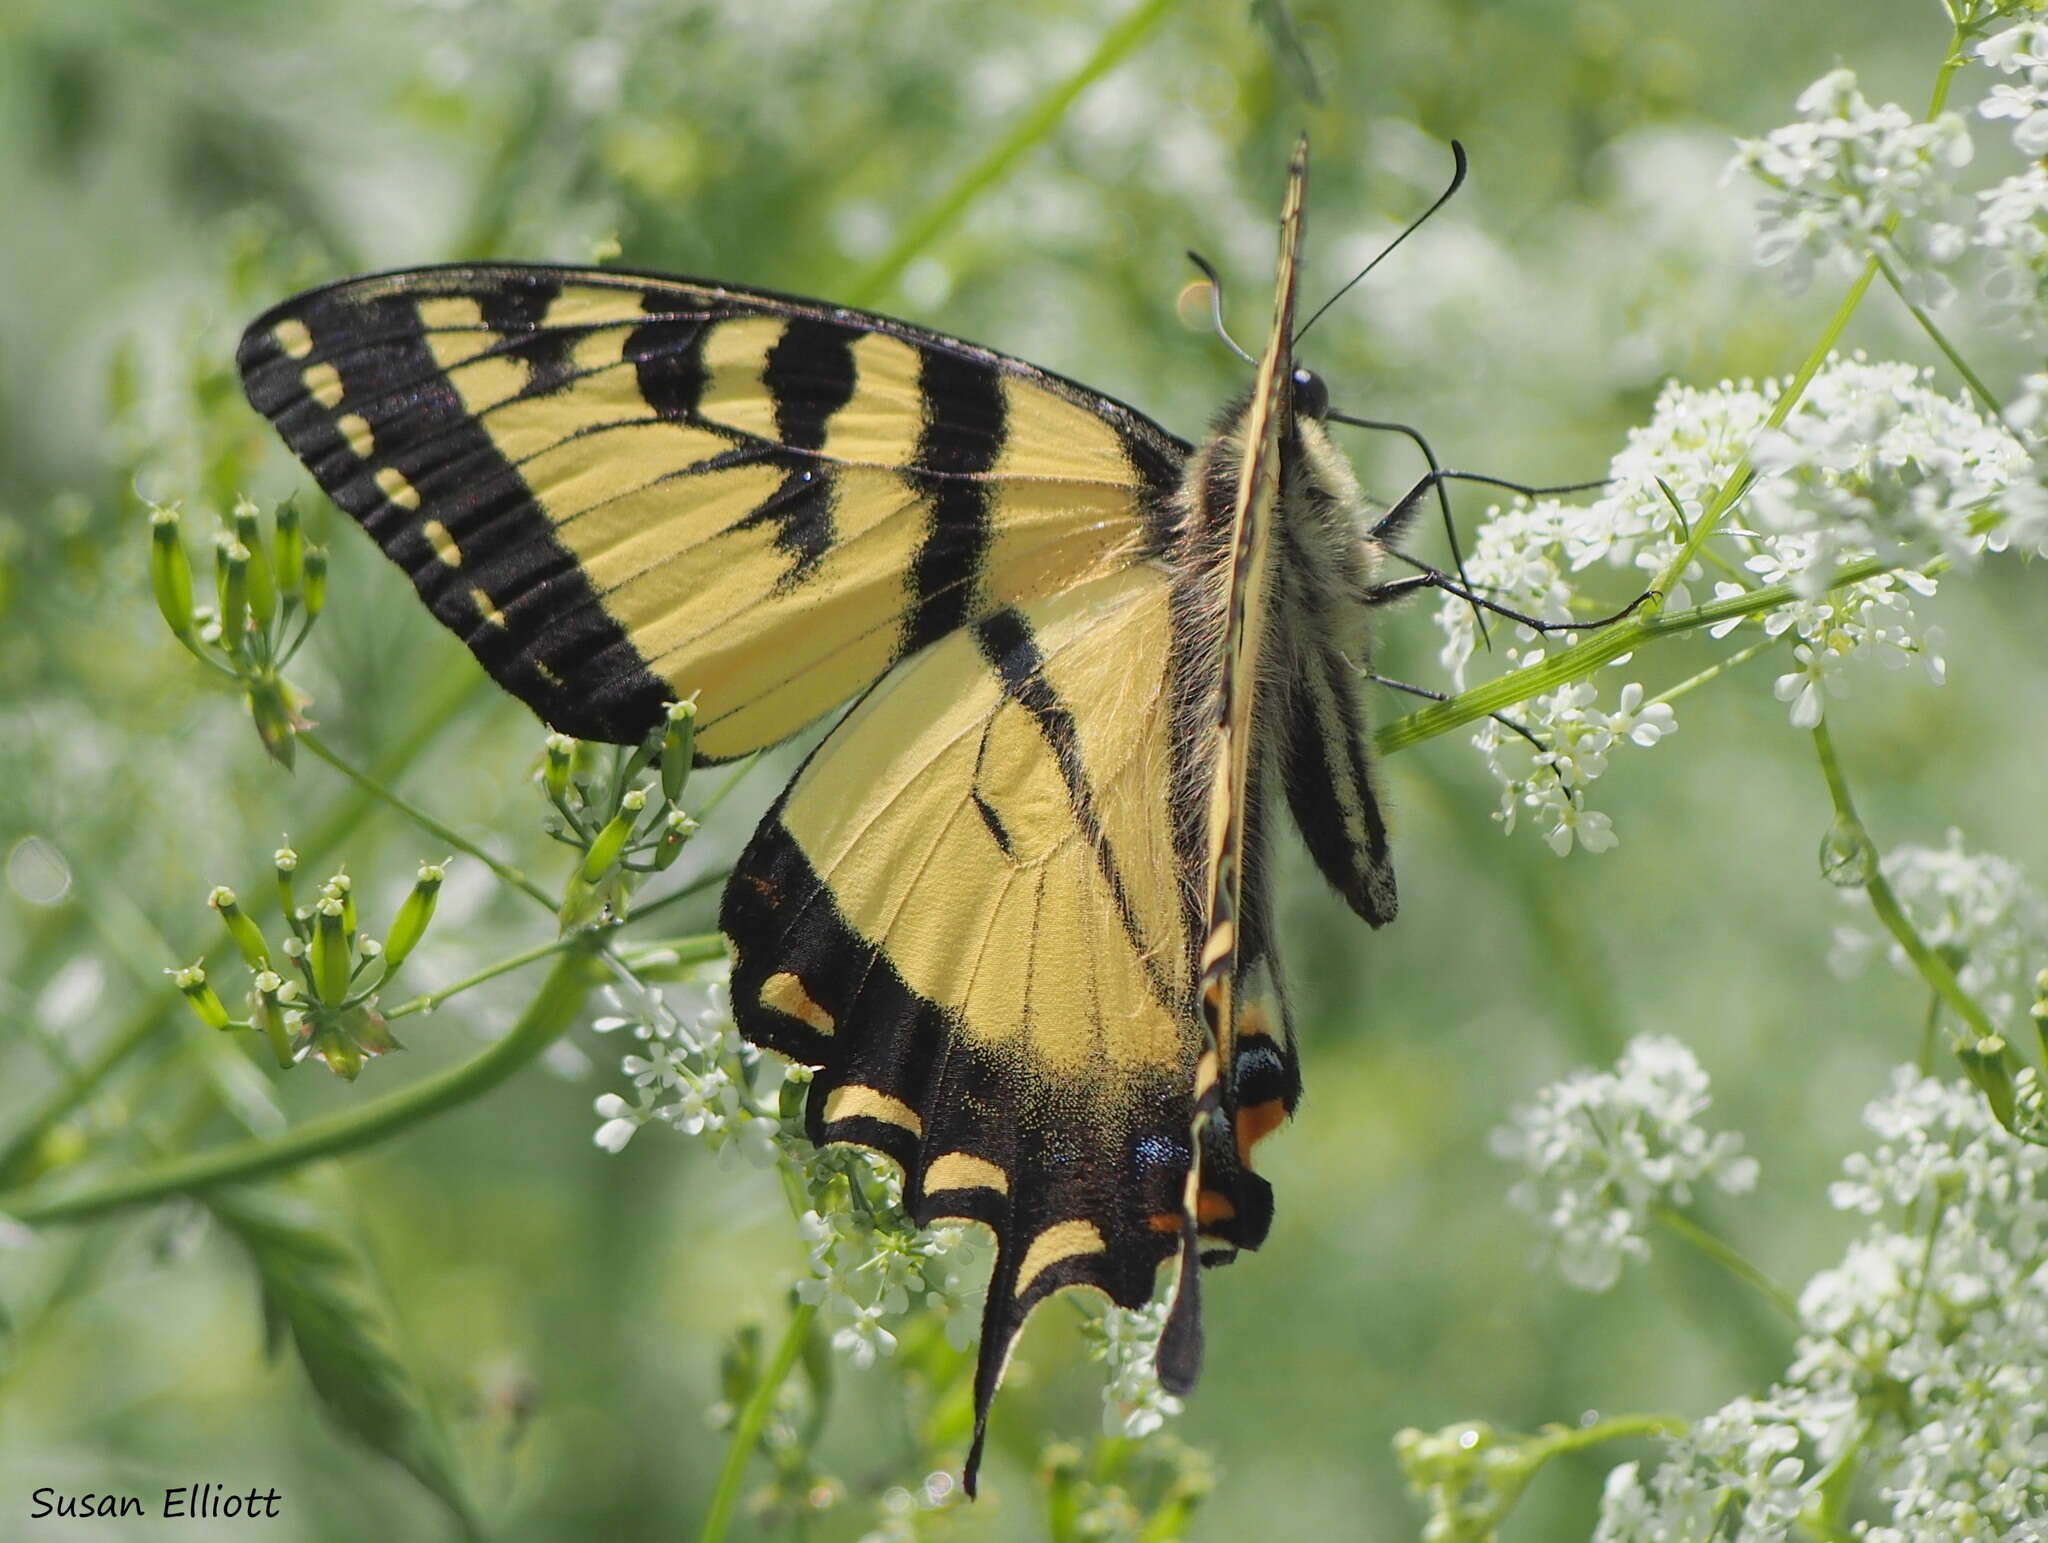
pixel 619 489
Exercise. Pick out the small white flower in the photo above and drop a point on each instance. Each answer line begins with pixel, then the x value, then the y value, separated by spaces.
pixel 1599 1151
pixel 862 1340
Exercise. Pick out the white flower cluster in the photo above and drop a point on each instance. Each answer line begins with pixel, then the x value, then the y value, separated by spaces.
pixel 1923 1362
pixel 1600 1151
pixel 1133 1402
pixel 1734 1474
pixel 1976 909
pixel 870 1264
pixel 1873 462
pixel 2012 218
pixel 1852 179
pixel 699 1077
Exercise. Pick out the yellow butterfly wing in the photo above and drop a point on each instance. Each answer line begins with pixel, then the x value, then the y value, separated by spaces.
pixel 622 488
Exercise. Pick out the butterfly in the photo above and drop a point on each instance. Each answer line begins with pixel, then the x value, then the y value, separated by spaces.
pixel 1014 908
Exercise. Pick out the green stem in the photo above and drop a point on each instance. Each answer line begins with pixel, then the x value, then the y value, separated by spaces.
pixel 1602 647
pixel 1728 1257
pixel 148 1020
pixel 426 821
pixel 1694 682
pixel 427 1001
pixel 746 1431
pixel 1885 902
pixel 1560 1440
pixel 553 1008
pixel 1033 127
pixel 1977 387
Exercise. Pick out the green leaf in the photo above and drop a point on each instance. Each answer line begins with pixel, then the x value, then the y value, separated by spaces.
pixel 321 1290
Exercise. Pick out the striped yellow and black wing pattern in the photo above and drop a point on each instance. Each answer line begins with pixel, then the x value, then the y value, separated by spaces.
pixel 1012 909
pixel 621 488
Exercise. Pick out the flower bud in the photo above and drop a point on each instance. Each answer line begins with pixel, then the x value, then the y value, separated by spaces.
pixel 410 925
pixel 315 562
pixel 231 591
pixel 343 888
pixel 267 1010
pixel 276 725
pixel 255 952
pixel 676 831
pixel 609 842
pixel 262 586
pixel 678 742
pixel 561 756
pixel 191 981
pixel 287 863
pixel 289 559
pixel 329 952
pixel 170 571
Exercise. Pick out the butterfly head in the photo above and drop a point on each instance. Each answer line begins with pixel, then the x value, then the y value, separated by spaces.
pixel 1311 395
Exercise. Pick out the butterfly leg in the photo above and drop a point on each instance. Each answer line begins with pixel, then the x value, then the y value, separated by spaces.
pixel 1432 578
pixel 1500 718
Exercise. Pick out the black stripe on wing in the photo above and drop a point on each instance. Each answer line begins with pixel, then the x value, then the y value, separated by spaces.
pixel 423 477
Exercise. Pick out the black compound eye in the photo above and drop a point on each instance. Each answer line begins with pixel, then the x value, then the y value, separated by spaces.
pixel 1311 396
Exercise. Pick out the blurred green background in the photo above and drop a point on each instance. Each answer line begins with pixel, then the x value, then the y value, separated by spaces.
pixel 167 170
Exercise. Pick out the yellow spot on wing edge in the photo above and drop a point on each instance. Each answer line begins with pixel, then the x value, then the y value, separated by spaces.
pixel 963 1170
pixel 322 383
pixel 391 482
pixel 1060 1241
pixel 786 994
pixel 293 338
pixel 486 609
pixel 856 1102
pixel 356 430
pixel 436 533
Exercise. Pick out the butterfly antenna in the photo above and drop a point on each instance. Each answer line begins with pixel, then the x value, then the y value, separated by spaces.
pixel 1216 305
pixel 1457 181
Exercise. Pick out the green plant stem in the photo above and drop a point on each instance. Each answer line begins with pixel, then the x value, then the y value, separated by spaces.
pixel 1028 131
pixel 147 1021
pixel 424 820
pixel 1885 902
pixel 1681 1226
pixel 1694 682
pixel 553 1008
pixel 1559 1440
pixel 746 1431
pixel 427 1001
pixel 1977 387
pixel 1588 655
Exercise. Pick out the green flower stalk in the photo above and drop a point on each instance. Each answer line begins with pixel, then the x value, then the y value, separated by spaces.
pixel 289 556
pixel 170 572
pixel 244 933
pixel 329 954
pixel 609 844
pixel 262 585
pixel 410 925
pixel 231 585
pixel 210 1010
pixel 286 862
pixel 272 995
pixel 316 580
pixel 554 776
pixel 677 747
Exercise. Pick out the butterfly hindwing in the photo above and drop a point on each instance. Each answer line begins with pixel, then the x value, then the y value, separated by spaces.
pixel 967 913
pixel 621 488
